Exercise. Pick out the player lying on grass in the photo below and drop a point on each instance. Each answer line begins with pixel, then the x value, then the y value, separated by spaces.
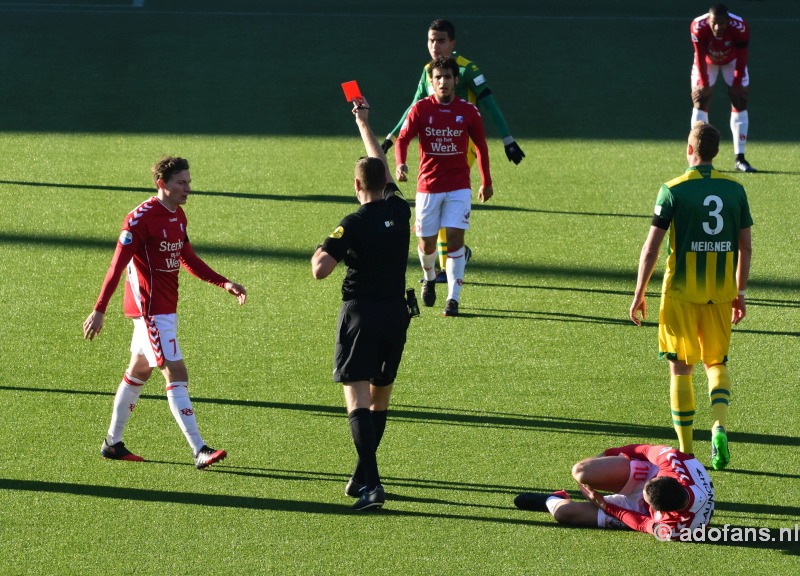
pixel 656 489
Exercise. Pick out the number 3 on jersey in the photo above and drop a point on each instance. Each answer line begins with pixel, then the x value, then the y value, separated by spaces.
pixel 714 214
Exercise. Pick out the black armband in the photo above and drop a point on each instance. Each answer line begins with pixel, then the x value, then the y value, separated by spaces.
pixel 660 222
pixel 484 94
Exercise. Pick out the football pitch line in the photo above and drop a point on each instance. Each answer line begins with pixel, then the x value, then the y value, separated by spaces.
pixel 138 7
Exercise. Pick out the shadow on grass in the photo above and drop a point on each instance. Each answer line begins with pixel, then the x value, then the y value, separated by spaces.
pixel 654 281
pixel 549 316
pixel 762 473
pixel 302 255
pixel 391 481
pixel 469 418
pixel 587 319
pixel 598 274
pixel 774 542
pixel 323 198
pixel 230 501
pixel 336 199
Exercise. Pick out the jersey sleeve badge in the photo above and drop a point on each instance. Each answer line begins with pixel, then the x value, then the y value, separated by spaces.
pixel 338 233
pixel 126 237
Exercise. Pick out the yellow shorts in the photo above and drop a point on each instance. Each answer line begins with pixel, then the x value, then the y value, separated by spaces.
pixel 690 332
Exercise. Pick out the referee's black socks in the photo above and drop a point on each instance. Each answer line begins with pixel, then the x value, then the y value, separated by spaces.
pixel 364 437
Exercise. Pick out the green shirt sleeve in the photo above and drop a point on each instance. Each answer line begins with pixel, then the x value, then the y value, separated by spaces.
pixel 489 104
pixel 483 98
pixel 665 207
pixel 422 92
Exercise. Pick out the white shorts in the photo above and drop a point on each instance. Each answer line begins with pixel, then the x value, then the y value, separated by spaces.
pixel 631 497
pixel 714 70
pixel 156 338
pixel 442 210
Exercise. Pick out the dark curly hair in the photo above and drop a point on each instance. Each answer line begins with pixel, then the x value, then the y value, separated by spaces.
pixel 443 63
pixel 168 166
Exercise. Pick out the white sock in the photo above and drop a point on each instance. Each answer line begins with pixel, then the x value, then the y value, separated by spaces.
pixel 455 273
pixel 739 122
pixel 428 262
pixel 699 116
pixel 181 406
pixel 125 401
pixel 552 502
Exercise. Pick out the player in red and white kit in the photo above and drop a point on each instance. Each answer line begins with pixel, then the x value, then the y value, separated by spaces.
pixel 444 125
pixel 720 41
pixel 153 246
pixel 657 489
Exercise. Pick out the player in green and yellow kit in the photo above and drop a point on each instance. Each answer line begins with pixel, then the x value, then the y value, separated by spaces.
pixel 473 88
pixel 708 219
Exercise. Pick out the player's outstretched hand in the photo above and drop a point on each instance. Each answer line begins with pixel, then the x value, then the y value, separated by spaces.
pixel 485 193
pixel 93 325
pixel 739 309
pixel 700 95
pixel 237 290
pixel 593 496
pixel 514 152
pixel 638 305
pixel 401 173
pixel 388 143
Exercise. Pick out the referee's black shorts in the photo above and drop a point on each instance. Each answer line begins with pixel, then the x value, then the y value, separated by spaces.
pixel 370 338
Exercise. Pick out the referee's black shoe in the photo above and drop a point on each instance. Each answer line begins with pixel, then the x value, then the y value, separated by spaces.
pixel 353 488
pixel 370 498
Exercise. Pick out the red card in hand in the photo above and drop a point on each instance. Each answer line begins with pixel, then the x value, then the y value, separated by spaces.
pixel 351 91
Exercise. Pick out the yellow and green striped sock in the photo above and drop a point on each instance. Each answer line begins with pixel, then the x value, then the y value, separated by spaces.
pixel 719 393
pixel 441 246
pixel 681 400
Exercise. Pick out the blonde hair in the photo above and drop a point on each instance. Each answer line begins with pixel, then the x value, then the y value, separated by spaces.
pixel 704 139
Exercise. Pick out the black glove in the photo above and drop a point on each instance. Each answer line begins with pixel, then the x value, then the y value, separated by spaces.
pixel 514 152
pixel 386 145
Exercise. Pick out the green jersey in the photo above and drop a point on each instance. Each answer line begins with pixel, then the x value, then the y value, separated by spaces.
pixel 472 87
pixel 705 211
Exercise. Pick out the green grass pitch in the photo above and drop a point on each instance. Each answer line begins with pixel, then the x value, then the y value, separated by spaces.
pixel 543 369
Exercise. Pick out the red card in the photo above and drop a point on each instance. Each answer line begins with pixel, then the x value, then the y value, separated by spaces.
pixel 351 91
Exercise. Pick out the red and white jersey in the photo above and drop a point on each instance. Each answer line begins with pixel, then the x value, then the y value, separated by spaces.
pixel 711 50
pixel 444 132
pixel 153 245
pixel 688 471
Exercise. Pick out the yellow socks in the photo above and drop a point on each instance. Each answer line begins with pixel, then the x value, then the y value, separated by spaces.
pixel 441 246
pixel 719 392
pixel 681 400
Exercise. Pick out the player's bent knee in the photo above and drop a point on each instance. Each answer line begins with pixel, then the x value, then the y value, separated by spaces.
pixel 580 472
pixel 141 374
pixel 563 513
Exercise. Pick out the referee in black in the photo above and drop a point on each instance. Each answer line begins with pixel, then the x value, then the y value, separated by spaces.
pixel 374 318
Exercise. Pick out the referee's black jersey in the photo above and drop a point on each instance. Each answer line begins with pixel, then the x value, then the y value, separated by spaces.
pixel 373 242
